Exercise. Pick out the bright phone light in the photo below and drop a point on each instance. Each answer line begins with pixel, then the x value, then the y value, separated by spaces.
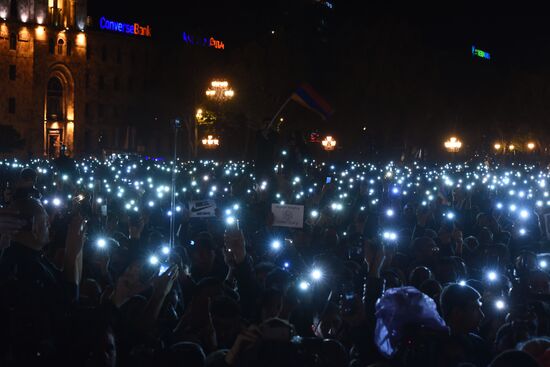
pixel 492 276
pixel 543 264
pixel 314 213
pixel 276 245
pixel 304 285
pixel 524 214
pixel 153 260
pixel 316 274
pixel 56 202
pixel 500 305
pixel 165 250
pixel 101 243
pixel 462 283
pixel 388 235
pixel 389 212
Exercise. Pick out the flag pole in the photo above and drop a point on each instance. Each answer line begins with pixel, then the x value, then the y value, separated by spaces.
pixel 278 112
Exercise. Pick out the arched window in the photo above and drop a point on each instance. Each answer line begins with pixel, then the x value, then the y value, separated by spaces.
pixel 54 111
pixel 60 44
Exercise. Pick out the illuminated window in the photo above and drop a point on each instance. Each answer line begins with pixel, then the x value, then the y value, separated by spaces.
pixel 12 72
pixel 55 11
pixel 60 44
pixel 11 105
pixel 54 100
pixel 13 41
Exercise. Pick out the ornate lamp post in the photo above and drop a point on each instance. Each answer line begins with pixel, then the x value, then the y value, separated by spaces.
pixel 210 142
pixel 453 145
pixel 220 90
pixel 328 143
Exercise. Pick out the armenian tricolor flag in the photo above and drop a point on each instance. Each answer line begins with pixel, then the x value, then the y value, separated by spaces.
pixel 309 98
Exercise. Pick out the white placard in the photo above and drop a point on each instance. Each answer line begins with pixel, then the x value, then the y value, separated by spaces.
pixel 291 216
pixel 202 209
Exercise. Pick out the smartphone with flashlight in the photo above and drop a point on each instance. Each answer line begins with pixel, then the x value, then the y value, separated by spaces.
pixel 348 298
pixel 328 180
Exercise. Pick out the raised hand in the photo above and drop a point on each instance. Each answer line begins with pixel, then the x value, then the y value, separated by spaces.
pixel 128 285
pixel 163 283
pixel 246 338
pixel 235 247
pixel 76 236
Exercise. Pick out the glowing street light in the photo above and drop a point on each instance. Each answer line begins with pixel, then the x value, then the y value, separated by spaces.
pixel 210 142
pixel 220 90
pixel 531 145
pixel 199 113
pixel 497 146
pixel 453 145
pixel 511 147
pixel 328 143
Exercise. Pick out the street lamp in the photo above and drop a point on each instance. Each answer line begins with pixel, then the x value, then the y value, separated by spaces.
pixel 328 143
pixel 453 145
pixel 531 146
pixel 220 90
pixel 210 142
pixel 511 147
pixel 497 146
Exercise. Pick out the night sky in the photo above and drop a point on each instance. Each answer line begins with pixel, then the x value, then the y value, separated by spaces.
pixel 464 92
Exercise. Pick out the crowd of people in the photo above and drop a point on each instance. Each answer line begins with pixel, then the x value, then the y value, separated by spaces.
pixel 139 261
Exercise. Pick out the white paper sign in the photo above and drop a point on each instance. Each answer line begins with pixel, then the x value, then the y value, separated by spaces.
pixel 291 216
pixel 202 208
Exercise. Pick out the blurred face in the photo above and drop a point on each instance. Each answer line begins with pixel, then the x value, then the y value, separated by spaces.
pixel 471 316
pixel 539 283
pixel 38 235
pixel 428 250
pixel 227 330
pixel 104 354
pixel 203 259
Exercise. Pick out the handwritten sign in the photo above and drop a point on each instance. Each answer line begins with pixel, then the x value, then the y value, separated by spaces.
pixel 291 216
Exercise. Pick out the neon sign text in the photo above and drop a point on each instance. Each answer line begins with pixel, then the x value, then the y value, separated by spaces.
pixel 203 41
pixel 480 53
pixel 134 29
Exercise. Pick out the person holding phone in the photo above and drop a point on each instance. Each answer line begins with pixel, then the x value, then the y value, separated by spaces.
pixel 33 284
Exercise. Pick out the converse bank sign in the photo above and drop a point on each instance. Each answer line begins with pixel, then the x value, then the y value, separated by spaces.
pixel 134 29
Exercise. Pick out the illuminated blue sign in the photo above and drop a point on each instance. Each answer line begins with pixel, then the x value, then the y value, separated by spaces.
pixel 134 29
